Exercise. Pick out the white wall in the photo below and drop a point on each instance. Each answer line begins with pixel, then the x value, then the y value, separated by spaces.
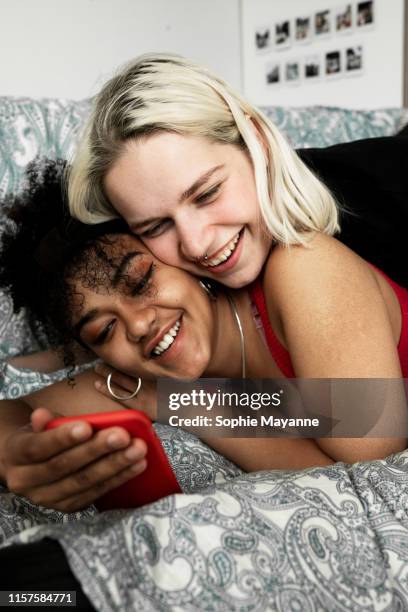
pixel 66 48
pixel 381 83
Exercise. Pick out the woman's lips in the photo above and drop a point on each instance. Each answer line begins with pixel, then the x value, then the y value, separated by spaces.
pixel 174 349
pixel 226 266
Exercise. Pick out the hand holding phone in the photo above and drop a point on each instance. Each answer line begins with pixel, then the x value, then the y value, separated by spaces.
pixel 157 480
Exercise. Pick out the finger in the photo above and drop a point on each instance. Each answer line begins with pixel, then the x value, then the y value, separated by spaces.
pixel 108 485
pixel 77 502
pixel 40 417
pixel 102 387
pixel 103 369
pixel 27 447
pixel 93 476
pixel 118 379
pixel 30 475
pixel 67 463
pixel 146 401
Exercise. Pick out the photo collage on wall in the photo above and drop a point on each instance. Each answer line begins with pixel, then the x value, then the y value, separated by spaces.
pixel 293 35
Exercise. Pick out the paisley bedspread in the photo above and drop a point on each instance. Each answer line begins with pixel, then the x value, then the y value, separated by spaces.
pixel 333 538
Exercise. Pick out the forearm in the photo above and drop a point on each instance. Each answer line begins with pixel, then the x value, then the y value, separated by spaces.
pixel 351 450
pixel 13 415
pixel 47 361
pixel 68 400
pixel 43 361
pixel 253 454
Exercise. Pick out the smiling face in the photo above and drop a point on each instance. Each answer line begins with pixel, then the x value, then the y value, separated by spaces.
pixel 185 197
pixel 140 315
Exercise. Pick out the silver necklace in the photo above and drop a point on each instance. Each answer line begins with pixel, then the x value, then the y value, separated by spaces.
pixel 241 333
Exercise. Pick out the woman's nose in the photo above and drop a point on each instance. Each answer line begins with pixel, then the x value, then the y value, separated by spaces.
pixel 139 323
pixel 193 237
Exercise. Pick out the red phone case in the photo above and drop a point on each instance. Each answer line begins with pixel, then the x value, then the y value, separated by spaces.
pixel 158 479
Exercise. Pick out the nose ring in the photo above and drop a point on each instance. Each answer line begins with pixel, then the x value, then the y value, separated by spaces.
pixel 203 258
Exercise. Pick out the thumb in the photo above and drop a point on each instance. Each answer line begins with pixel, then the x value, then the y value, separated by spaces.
pixel 40 417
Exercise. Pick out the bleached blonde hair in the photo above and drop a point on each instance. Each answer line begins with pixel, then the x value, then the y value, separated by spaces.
pixel 160 92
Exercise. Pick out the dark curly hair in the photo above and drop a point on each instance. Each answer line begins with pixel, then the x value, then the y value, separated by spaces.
pixel 45 253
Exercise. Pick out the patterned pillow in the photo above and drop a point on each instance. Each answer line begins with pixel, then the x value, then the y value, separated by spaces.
pixel 28 129
pixel 320 126
pixel 31 128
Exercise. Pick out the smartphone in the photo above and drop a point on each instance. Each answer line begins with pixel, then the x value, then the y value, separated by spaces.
pixel 158 479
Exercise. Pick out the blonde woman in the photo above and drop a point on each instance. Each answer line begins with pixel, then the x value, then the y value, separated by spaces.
pixel 193 168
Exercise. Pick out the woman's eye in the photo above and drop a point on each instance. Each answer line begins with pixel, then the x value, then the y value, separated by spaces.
pixel 143 283
pixel 156 230
pixel 204 197
pixel 100 339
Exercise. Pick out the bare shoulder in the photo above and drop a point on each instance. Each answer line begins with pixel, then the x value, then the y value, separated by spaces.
pixel 331 312
pixel 322 252
pixel 324 266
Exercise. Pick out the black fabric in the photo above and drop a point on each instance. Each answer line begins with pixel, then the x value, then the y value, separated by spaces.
pixel 404 132
pixel 370 179
pixel 40 566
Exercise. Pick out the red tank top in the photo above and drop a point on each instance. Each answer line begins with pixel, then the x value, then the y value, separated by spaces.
pixel 281 355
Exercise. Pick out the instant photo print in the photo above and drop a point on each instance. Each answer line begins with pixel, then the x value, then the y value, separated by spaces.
pixel 263 39
pixel 273 73
pixel 312 68
pixel 354 60
pixel 333 63
pixel 322 23
pixel 292 72
pixel 303 29
pixel 365 15
pixel 282 35
pixel 343 19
